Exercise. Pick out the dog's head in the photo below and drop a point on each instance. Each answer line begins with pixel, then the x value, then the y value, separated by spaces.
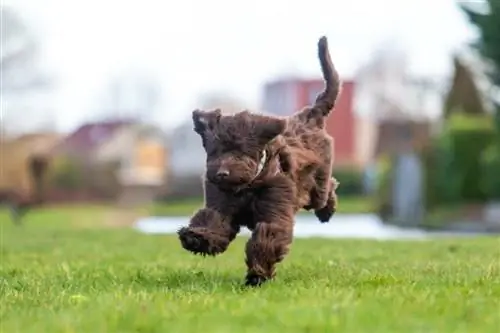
pixel 236 145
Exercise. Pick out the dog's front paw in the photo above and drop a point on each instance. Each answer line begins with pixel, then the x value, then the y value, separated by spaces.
pixel 194 241
pixel 325 214
pixel 253 280
pixel 201 240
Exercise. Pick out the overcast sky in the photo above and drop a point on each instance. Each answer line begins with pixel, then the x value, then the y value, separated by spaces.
pixel 193 47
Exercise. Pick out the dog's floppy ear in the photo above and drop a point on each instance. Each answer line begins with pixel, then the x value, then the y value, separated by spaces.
pixel 270 127
pixel 205 120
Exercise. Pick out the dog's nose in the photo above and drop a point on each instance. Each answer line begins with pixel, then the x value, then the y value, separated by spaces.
pixel 222 173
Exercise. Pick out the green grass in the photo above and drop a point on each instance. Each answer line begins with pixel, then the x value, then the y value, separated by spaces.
pixel 347 205
pixel 64 271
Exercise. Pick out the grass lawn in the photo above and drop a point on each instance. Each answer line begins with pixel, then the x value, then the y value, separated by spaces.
pixel 65 270
pixel 347 205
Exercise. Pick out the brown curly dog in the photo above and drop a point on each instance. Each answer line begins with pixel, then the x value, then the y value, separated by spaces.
pixel 260 170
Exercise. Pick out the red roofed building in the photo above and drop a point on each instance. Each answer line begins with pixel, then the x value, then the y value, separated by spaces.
pixel 352 133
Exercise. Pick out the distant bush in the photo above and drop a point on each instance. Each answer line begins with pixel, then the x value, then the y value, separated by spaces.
pixel 65 173
pixel 430 158
pixel 455 164
pixel 470 137
pixel 103 179
pixel 491 164
pixel 99 179
pixel 491 172
pixel 350 179
pixel 441 175
pixel 383 190
pixel 497 118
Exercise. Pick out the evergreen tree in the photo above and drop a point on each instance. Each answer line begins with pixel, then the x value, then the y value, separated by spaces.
pixel 488 23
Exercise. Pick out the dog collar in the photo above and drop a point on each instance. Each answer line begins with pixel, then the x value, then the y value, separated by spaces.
pixel 262 163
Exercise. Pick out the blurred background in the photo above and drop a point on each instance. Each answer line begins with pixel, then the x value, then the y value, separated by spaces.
pixel 96 99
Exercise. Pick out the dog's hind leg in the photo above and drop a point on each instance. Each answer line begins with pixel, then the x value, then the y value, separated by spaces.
pixel 320 193
pixel 268 246
pixel 273 233
pixel 325 213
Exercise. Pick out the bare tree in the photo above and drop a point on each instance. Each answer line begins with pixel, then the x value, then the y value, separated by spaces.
pixel 380 81
pixel 221 100
pixel 131 95
pixel 386 88
pixel 21 76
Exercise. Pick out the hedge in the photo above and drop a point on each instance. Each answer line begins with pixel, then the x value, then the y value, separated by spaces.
pixel 350 179
pixel 461 164
pixel 383 191
pixel 66 174
pixel 460 169
pixel 490 161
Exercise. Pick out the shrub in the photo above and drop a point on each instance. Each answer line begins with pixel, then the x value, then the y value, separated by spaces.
pixel 104 179
pixel 490 160
pixel 457 167
pixel 491 172
pixel 470 137
pixel 429 158
pixel 383 191
pixel 66 174
pixel 497 119
pixel 350 179
pixel 443 180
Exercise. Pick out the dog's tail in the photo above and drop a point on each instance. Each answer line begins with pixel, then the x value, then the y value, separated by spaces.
pixel 325 101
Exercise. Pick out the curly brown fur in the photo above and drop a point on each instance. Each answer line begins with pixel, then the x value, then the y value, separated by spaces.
pixel 325 213
pixel 309 125
pixel 260 170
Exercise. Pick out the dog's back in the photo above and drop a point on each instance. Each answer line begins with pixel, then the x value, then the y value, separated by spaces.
pixel 306 128
pixel 308 156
